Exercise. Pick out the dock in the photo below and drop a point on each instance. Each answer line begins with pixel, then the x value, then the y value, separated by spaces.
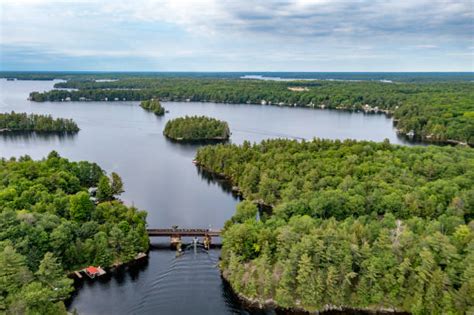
pixel 93 272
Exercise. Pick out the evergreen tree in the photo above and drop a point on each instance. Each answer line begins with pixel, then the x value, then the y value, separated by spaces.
pixel 104 190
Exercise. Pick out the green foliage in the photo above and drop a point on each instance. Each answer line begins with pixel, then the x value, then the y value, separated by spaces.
pixel 433 111
pixel 354 224
pixel 49 225
pixel 22 292
pixel 116 184
pixel 245 210
pixel 81 207
pixel 154 106
pixel 411 265
pixel 34 122
pixel 196 128
pixel 326 178
pixel 109 188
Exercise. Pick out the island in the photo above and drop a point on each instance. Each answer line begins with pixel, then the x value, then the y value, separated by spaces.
pixel 154 106
pixel 11 122
pixel 427 108
pixel 51 224
pixel 353 225
pixel 196 128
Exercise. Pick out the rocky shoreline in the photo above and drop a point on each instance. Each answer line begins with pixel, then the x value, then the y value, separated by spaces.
pixel 270 304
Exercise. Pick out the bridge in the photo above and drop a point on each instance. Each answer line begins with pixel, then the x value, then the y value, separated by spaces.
pixel 175 235
pixel 183 232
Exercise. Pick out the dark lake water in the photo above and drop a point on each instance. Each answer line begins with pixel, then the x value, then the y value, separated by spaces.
pixel 159 177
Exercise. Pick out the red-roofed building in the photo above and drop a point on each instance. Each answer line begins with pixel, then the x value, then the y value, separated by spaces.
pixel 92 271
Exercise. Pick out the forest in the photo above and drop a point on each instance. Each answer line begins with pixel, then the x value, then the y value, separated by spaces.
pixel 36 122
pixel 196 128
pixel 353 224
pixel 430 111
pixel 50 225
pixel 153 106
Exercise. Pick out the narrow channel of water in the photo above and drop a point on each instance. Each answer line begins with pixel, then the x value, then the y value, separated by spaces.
pixel 159 177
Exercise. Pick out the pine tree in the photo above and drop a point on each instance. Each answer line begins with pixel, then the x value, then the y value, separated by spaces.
pixel 104 190
pixel 309 289
pixel 117 185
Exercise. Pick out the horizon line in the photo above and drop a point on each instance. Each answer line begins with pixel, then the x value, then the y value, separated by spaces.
pixel 232 71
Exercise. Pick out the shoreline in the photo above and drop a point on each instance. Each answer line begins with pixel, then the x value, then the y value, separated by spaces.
pixel 138 257
pixel 366 109
pixel 12 131
pixel 270 304
pixel 198 141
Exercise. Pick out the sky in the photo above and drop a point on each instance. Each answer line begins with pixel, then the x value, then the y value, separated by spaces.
pixel 237 35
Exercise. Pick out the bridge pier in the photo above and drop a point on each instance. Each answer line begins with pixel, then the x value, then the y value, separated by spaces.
pixel 207 241
pixel 175 240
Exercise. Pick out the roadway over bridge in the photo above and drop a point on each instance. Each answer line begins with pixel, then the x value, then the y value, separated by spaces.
pixel 183 232
pixel 175 235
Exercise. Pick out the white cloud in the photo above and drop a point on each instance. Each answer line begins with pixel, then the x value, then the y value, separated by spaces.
pixel 296 31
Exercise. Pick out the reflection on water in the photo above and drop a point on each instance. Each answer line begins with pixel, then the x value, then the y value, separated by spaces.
pixel 15 136
pixel 224 184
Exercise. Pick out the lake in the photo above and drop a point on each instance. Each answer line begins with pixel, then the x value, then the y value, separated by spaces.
pixel 159 177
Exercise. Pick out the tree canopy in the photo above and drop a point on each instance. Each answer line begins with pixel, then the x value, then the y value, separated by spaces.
pixel 353 224
pixel 50 225
pixel 196 128
pixel 35 122
pixel 154 106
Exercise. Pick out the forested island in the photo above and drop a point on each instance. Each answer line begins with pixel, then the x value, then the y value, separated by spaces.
pixel 357 225
pixel 154 106
pixel 196 128
pixel 36 122
pixel 50 225
pixel 430 111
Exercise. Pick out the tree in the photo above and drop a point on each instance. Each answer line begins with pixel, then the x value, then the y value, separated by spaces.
pixel 14 272
pixel 245 210
pixel 310 287
pixel 50 273
pixel 117 185
pixel 81 207
pixel 104 190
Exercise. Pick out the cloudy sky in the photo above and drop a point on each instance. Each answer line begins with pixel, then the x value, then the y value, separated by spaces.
pixel 237 35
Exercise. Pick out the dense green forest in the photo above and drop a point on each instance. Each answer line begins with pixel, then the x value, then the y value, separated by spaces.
pixel 431 111
pixel 49 225
pixel 196 128
pixel 354 224
pixel 153 106
pixel 35 122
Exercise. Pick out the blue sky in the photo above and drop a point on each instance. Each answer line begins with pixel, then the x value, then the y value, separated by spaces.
pixel 221 35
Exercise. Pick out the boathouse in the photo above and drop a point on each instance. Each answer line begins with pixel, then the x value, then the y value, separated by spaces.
pixel 92 271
